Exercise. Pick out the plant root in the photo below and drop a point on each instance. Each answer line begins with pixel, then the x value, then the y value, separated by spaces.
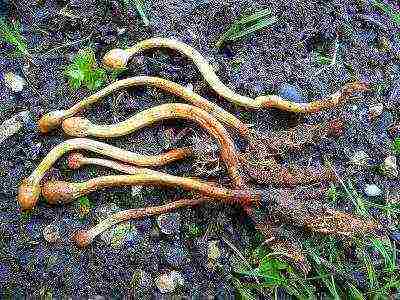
pixel 294 206
pixel 294 139
pixel 271 173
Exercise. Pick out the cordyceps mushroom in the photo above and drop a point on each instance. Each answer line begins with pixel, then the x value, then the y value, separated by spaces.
pixel 84 238
pixel 118 59
pixel 29 190
pixel 83 127
pixel 292 252
pixel 57 192
pixel 54 119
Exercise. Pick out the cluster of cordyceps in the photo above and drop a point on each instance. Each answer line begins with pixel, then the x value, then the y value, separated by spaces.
pixel 283 202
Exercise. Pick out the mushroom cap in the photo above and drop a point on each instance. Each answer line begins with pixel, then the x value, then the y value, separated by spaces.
pixel 116 59
pixel 76 126
pixel 59 191
pixel 81 238
pixel 75 160
pixel 51 120
pixel 28 195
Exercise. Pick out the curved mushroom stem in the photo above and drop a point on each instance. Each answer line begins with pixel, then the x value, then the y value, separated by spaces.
pixel 332 101
pixel 64 192
pixel 119 58
pixel 53 119
pixel 83 127
pixel 29 190
pixel 85 237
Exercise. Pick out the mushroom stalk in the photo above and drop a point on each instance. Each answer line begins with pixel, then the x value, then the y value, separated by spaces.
pixel 54 119
pixel 85 237
pixel 29 190
pixel 65 192
pixel 118 59
pixel 83 127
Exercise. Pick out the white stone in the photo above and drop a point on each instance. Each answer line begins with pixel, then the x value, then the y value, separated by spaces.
pixel 14 82
pixel 168 282
pixel 51 233
pixel 376 110
pixel 189 87
pixel 121 31
pixel 360 158
pixel 372 190
pixel 169 223
pixel 136 191
pixel 390 167
pixel 13 125
pixel 213 251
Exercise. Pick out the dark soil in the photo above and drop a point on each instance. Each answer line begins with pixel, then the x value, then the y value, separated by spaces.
pixel 263 63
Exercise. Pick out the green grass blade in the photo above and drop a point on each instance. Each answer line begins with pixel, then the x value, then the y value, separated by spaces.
pixel 258 26
pixel 355 293
pixel 11 34
pixel 254 17
pixel 371 273
pixel 382 248
pixel 247 25
pixel 390 11
pixel 142 12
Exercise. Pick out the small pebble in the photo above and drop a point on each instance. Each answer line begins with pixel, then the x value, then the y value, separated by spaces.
pixel 390 167
pixel 104 211
pixel 13 125
pixel 167 283
pixel 372 190
pixel 169 223
pixel 14 82
pixel 291 93
pixel 189 87
pixel 51 233
pixel 360 158
pixel 118 235
pixel 175 254
pixel 395 236
pixel 376 110
pixel 121 31
pixel 136 191
pixel 213 251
